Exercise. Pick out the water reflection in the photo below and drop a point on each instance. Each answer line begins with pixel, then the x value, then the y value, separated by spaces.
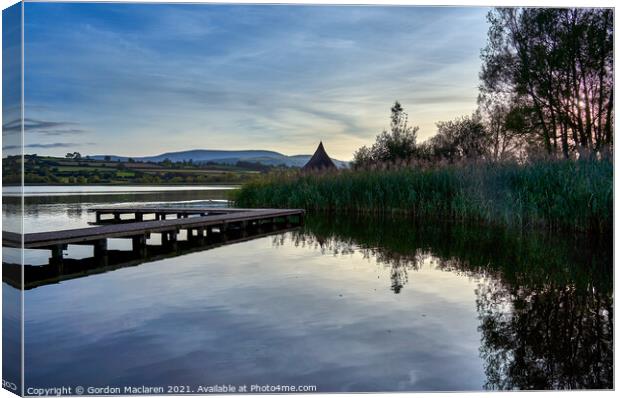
pixel 550 337
pixel 545 304
pixel 86 199
pixel 347 304
pixel 50 213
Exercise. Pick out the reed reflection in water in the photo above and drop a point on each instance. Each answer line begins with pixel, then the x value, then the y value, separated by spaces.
pixel 545 302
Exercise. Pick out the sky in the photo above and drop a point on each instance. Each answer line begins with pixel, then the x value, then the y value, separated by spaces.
pixel 144 79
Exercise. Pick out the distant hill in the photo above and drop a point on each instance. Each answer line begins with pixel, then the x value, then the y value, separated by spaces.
pixel 271 158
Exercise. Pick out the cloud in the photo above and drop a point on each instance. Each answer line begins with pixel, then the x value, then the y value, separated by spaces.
pixel 41 127
pixel 47 146
pixel 62 132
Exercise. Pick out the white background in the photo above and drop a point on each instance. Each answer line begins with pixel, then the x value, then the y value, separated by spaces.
pixel 547 3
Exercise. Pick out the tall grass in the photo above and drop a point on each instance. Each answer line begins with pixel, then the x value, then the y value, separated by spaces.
pixel 559 194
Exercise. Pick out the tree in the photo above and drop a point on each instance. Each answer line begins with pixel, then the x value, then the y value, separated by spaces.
pixel 390 146
pixel 362 157
pixel 459 139
pixel 559 65
pixel 505 133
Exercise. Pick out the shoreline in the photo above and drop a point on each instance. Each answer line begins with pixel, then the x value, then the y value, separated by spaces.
pixel 124 185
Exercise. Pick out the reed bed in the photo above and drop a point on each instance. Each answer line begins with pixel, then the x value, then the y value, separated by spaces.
pixel 558 194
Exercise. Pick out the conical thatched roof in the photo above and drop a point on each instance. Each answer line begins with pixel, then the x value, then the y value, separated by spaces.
pixel 320 160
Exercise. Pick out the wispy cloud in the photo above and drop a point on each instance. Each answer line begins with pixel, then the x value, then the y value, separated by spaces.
pixel 152 78
pixel 48 146
pixel 34 126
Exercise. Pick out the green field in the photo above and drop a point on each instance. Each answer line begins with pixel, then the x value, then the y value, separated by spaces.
pixel 51 170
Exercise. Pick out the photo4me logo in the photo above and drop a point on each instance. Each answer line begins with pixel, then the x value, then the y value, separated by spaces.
pixel 160 390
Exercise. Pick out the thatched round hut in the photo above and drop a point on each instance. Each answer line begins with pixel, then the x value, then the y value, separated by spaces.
pixel 320 160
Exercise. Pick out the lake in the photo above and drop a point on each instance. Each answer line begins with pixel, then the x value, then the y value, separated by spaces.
pixel 341 303
pixel 66 190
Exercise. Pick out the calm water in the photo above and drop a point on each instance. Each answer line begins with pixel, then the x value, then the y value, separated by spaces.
pixel 47 190
pixel 344 304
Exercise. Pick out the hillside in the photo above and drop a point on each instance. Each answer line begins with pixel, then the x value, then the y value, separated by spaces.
pixel 269 158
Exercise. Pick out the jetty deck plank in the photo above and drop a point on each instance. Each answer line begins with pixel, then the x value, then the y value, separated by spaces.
pixel 169 210
pixel 90 234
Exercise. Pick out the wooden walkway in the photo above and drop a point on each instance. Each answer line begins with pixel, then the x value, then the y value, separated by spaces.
pixel 196 221
pixel 158 213
pixel 56 272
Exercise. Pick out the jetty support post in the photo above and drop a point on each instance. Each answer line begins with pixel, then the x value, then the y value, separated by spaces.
pixel 100 248
pixel 223 227
pixel 200 234
pixel 169 238
pixel 223 236
pixel 138 244
pixel 57 253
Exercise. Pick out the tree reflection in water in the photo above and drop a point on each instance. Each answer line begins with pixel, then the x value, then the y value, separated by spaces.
pixel 551 337
pixel 545 301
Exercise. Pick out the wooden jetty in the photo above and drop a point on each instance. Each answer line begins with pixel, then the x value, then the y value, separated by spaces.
pixel 56 272
pixel 114 215
pixel 198 222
